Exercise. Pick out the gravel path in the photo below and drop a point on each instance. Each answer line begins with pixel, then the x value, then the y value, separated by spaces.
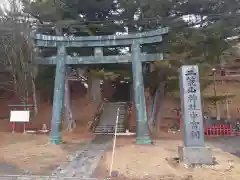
pixel 85 162
pixel 80 166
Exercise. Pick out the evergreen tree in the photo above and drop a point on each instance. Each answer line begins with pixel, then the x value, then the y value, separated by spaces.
pixel 198 29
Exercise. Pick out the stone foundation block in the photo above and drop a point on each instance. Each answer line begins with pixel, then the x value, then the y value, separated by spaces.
pixel 195 155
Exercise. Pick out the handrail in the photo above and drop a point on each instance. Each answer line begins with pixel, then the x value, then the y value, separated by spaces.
pixel 97 115
pixel 128 112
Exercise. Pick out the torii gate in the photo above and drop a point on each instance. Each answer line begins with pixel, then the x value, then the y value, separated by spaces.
pixel 62 59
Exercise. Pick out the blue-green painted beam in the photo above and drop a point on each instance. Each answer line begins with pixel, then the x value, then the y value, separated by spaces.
pixel 139 98
pixel 100 59
pixel 58 99
pixel 97 43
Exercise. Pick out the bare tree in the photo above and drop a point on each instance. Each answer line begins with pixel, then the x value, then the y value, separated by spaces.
pixel 17 53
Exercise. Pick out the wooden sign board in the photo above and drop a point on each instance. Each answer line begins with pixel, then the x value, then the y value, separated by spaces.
pixel 19 116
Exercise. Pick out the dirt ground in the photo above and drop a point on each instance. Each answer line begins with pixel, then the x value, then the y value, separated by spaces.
pixel 137 162
pixel 34 153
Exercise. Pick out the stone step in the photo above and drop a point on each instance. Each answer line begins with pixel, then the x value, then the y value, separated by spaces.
pixel 113 111
pixel 113 118
pixel 108 118
pixel 108 112
pixel 116 103
pixel 110 121
pixel 109 128
pixel 115 106
pixel 106 115
pixel 110 125
pixel 109 131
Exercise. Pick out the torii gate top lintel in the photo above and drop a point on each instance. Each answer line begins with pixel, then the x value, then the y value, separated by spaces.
pixel 99 41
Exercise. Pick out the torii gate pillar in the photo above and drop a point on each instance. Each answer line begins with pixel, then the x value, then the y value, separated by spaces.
pixel 139 97
pixel 58 97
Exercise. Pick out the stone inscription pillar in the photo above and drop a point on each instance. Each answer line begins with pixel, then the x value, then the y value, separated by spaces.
pixel 194 150
pixel 139 98
pixel 58 98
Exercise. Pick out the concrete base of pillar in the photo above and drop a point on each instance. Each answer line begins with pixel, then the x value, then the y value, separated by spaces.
pixel 195 155
pixel 143 140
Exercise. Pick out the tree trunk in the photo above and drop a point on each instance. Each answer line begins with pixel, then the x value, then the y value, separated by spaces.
pixel 227 109
pixel 33 74
pixel 94 90
pixel 34 97
pixel 218 112
pixel 89 90
pixel 150 107
pixel 157 102
pixel 154 109
pixel 69 122
pixel 160 103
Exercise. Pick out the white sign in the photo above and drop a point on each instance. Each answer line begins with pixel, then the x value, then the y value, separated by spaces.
pixel 19 116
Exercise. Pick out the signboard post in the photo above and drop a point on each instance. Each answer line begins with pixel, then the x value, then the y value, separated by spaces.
pixel 19 117
pixel 194 150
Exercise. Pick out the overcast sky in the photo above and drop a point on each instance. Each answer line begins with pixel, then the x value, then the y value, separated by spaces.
pixel 4 4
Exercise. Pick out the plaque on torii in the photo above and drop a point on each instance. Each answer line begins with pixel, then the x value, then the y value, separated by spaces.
pixel 136 57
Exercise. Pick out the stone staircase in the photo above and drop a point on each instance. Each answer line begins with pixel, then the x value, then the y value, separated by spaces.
pixel 107 121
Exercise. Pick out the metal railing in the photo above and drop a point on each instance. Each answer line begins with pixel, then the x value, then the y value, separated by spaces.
pixel 97 116
pixel 128 112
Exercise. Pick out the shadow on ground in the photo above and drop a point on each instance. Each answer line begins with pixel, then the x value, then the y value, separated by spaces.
pixel 10 169
pixel 226 144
